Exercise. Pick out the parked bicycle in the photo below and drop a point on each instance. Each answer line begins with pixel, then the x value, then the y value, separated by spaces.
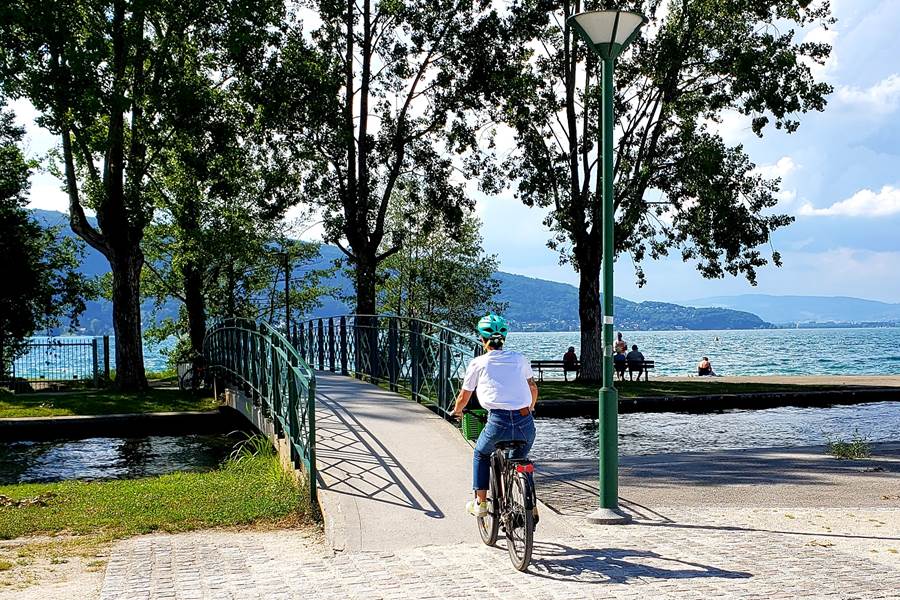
pixel 511 504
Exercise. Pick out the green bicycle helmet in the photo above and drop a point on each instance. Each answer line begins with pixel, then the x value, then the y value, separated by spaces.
pixel 492 327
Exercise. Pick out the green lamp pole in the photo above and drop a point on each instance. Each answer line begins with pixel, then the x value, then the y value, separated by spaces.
pixel 608 32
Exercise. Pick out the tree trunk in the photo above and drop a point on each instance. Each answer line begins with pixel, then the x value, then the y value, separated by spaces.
pixel 195 305
pixel 365 282
pixel 126 300
pixel 591 368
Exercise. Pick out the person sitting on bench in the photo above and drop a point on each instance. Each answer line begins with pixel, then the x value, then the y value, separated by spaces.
pixel 620 363
pixel 635 361
pixel 570 362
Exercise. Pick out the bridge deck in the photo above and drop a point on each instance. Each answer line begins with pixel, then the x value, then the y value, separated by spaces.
pixel 392 474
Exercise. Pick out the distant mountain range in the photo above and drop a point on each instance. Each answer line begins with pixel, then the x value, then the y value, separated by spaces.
pixel 541 305
pixel 808 309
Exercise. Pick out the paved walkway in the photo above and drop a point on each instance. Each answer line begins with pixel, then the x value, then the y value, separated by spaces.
pixel 766 524
pixel 383 461
pixel 710 553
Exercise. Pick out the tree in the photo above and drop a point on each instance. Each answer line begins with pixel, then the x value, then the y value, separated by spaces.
pixel 400 90
pixel 440 274
pixel 112 79
pixel 41 284
pixel 678 185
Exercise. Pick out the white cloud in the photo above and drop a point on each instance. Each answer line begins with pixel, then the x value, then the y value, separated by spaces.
pixel 864 203
pixel 781 169
pixel 882 98
pixel 46 193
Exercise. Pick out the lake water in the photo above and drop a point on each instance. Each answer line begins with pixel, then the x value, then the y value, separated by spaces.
pixel 111 458
pixel 651 433
pixel 874 351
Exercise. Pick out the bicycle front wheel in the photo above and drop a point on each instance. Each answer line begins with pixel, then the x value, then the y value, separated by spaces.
pixel 489 525
pixel 520 522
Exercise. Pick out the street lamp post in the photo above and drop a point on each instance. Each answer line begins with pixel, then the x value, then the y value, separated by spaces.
pixel 608 32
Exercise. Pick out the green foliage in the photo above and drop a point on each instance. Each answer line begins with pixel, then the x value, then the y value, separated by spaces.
pixel 241 493
pixel 696 60
pixel 115 80
pixel 252 446
pixel 441 273
pixel 101 403
pixel 857 447
pixel 40 281
pixel 397 93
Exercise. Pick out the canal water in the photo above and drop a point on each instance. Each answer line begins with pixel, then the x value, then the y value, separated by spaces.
pixel 652 433
pixel 111 458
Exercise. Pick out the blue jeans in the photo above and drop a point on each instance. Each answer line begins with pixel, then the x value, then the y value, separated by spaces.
pixel 502 425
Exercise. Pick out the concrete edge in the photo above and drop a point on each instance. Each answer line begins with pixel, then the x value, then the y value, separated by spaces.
pixel 113 425
pixel 588 407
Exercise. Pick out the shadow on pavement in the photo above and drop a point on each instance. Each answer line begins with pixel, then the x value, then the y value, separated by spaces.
pixel 617 565
pixel 350 460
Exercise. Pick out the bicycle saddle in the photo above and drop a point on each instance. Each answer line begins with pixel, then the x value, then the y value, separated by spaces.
pixel 510 444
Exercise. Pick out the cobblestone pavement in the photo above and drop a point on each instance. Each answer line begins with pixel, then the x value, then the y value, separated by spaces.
pixel 756 553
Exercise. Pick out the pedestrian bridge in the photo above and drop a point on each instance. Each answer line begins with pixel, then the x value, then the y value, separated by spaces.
pixel 360 405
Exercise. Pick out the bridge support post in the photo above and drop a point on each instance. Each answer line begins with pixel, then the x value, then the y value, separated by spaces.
pixel 374 354
pixel 393 362
pixel 415 351
pixel 443 371
pixel 321 344
pixel 331 365
pixel 311 339
pixel 300 342
pixel 343 326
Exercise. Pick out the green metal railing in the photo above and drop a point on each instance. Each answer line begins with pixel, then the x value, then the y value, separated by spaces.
pixel 265 365
pixel 424 359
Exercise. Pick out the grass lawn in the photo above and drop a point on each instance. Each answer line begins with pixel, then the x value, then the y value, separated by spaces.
pixel 253 490
pixel 101 402
pixel 562 390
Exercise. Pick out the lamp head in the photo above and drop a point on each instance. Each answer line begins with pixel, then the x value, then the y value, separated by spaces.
pixel 607 32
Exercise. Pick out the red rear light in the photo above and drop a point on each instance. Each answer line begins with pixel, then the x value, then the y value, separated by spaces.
pixel 529 468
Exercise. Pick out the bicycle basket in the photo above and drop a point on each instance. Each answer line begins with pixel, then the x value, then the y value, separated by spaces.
pixel 473 422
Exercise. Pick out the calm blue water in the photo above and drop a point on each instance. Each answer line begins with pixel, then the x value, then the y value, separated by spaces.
pixel 746 352
pixel 749 352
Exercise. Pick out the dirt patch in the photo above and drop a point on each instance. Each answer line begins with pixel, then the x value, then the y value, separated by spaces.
pixel 51 568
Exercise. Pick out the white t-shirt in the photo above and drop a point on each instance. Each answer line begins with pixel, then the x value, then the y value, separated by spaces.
pixel 501 377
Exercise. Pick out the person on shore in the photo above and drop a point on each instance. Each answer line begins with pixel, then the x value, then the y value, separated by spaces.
pixel 704 368
pixel 620 363
pixel 570 362
pixel 620 345
pixel 635 361
pixel 506 388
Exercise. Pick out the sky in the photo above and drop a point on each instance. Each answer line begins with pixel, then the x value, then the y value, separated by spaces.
pixel 840 179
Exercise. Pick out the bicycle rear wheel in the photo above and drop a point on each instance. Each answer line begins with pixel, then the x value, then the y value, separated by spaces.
pixel 520 521
pixel 489 525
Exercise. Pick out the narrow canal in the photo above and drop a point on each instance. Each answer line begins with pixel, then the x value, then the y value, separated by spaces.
pixel 111 458
pixel 653 433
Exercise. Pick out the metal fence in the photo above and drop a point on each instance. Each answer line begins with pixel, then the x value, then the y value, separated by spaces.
pixel 257 358
pixel 59 363
pixel 424 359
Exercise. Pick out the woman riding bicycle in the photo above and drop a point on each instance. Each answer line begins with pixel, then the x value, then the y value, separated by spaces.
pixel 506 388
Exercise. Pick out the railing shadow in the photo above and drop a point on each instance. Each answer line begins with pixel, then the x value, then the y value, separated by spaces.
pixel 352 461
pixel 617 565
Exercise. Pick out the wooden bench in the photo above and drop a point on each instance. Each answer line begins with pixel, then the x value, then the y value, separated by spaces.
pixel 553 365
pixel 641 366
pixel 631 367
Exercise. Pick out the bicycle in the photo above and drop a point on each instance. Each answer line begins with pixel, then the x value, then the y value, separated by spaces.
pixel 511 502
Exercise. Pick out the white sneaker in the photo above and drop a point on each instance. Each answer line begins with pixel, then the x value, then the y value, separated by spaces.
pixel 476 508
